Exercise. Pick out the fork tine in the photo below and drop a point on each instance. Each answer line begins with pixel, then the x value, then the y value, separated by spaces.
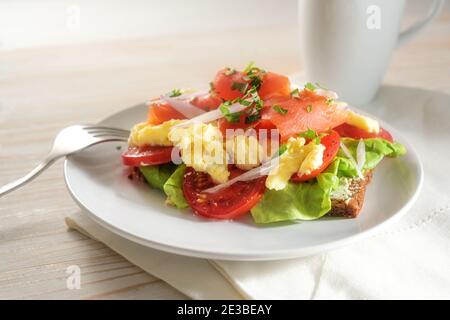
pixel 112 131
pixel 109 134
pixel 104 137
pixel 96 127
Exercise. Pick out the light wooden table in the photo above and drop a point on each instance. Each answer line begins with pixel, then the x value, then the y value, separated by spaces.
pixel 44 90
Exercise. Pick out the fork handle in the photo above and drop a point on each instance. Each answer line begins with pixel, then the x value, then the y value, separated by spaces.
pixel 28 177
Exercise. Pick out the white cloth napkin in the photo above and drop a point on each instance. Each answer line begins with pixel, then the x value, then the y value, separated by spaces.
pixel 411 260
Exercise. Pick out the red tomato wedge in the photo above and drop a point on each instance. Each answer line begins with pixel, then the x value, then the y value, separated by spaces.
pixel 331 143
pixel 146 156
pixel 274 85
pixel 347 130
pixel 207 102
pixel 162 112
pixel 227 84
pixel 308 111
pixel 228 203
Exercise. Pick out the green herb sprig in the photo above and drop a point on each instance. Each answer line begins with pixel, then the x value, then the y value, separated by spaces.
pixel 175 93
pixel 312 135
pixel 279 109
pixel 228 115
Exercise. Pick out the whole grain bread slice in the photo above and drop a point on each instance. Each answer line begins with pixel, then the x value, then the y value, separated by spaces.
pixel 352 206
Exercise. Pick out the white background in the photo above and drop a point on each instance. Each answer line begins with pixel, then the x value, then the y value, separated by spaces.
pixel 30 23
pixel 25 23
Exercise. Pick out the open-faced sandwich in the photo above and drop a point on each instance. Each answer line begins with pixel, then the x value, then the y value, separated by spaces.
pixel 254 143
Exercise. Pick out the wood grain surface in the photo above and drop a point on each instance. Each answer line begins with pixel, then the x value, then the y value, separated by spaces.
pixel 43 90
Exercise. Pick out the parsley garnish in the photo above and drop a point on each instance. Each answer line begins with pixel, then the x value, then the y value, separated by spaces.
pixel 175 93
pixel 308 108
pixel 243 102
pixel 295 93
pixel 230 116
pixel 253 74
pixel 249 67
pixel 279 109
pixel 255 81
pixel 282 149
pixel 309 86
pixel 255 98
pixel 330 101
pixel 253 117
pixel 240 86
pixel 252 98
pixel 311 135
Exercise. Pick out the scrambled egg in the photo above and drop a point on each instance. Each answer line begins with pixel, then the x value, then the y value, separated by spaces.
pixel 245 150
pixel 298 158
pixel 313 158
pixel 144 134
pixel 362 122
pixel 202 148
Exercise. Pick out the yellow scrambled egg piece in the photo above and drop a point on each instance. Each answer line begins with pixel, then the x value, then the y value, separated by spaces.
pixel 313 158
pixel 202 148
pixel 298 158
pixel 362 122
pixel 144 134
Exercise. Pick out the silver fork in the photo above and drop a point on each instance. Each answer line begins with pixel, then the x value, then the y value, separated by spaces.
pixel 68 141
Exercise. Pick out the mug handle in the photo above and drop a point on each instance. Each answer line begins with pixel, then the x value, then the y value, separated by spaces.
pixel 406 35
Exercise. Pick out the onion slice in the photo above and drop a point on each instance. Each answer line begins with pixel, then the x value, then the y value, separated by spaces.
pixel 184 107
pixel 352 160
pixel 211 115
pixel 262 170
pixel 189 94
pixel 361 154
pixel 326 93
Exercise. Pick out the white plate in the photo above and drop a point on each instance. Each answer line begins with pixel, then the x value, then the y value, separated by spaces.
pixel 99 184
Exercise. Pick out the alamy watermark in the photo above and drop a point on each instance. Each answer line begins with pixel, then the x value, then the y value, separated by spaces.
pixel 73 281
pixel 373 21
pixel 73 17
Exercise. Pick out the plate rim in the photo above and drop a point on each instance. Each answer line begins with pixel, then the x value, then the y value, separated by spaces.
pixel 266 255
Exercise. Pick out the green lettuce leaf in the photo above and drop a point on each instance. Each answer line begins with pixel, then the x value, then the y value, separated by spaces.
pixel 376 150
pixel 156 176
pixel 312 200
pixel 298 201
pixel 173 188
pixel 168 178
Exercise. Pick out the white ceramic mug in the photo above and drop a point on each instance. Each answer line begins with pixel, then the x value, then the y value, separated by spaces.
pixel 346 44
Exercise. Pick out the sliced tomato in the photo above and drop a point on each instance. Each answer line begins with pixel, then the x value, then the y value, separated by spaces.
pixel 274 85
pixel 161 112
pixel 228 203
pixel 331 143
pixel 224 84
pixel 207 102
pixel 308 111
pixel 347 130
pixel 146 156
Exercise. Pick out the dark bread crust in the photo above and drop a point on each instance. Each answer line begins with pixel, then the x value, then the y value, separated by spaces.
pixel 351 207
